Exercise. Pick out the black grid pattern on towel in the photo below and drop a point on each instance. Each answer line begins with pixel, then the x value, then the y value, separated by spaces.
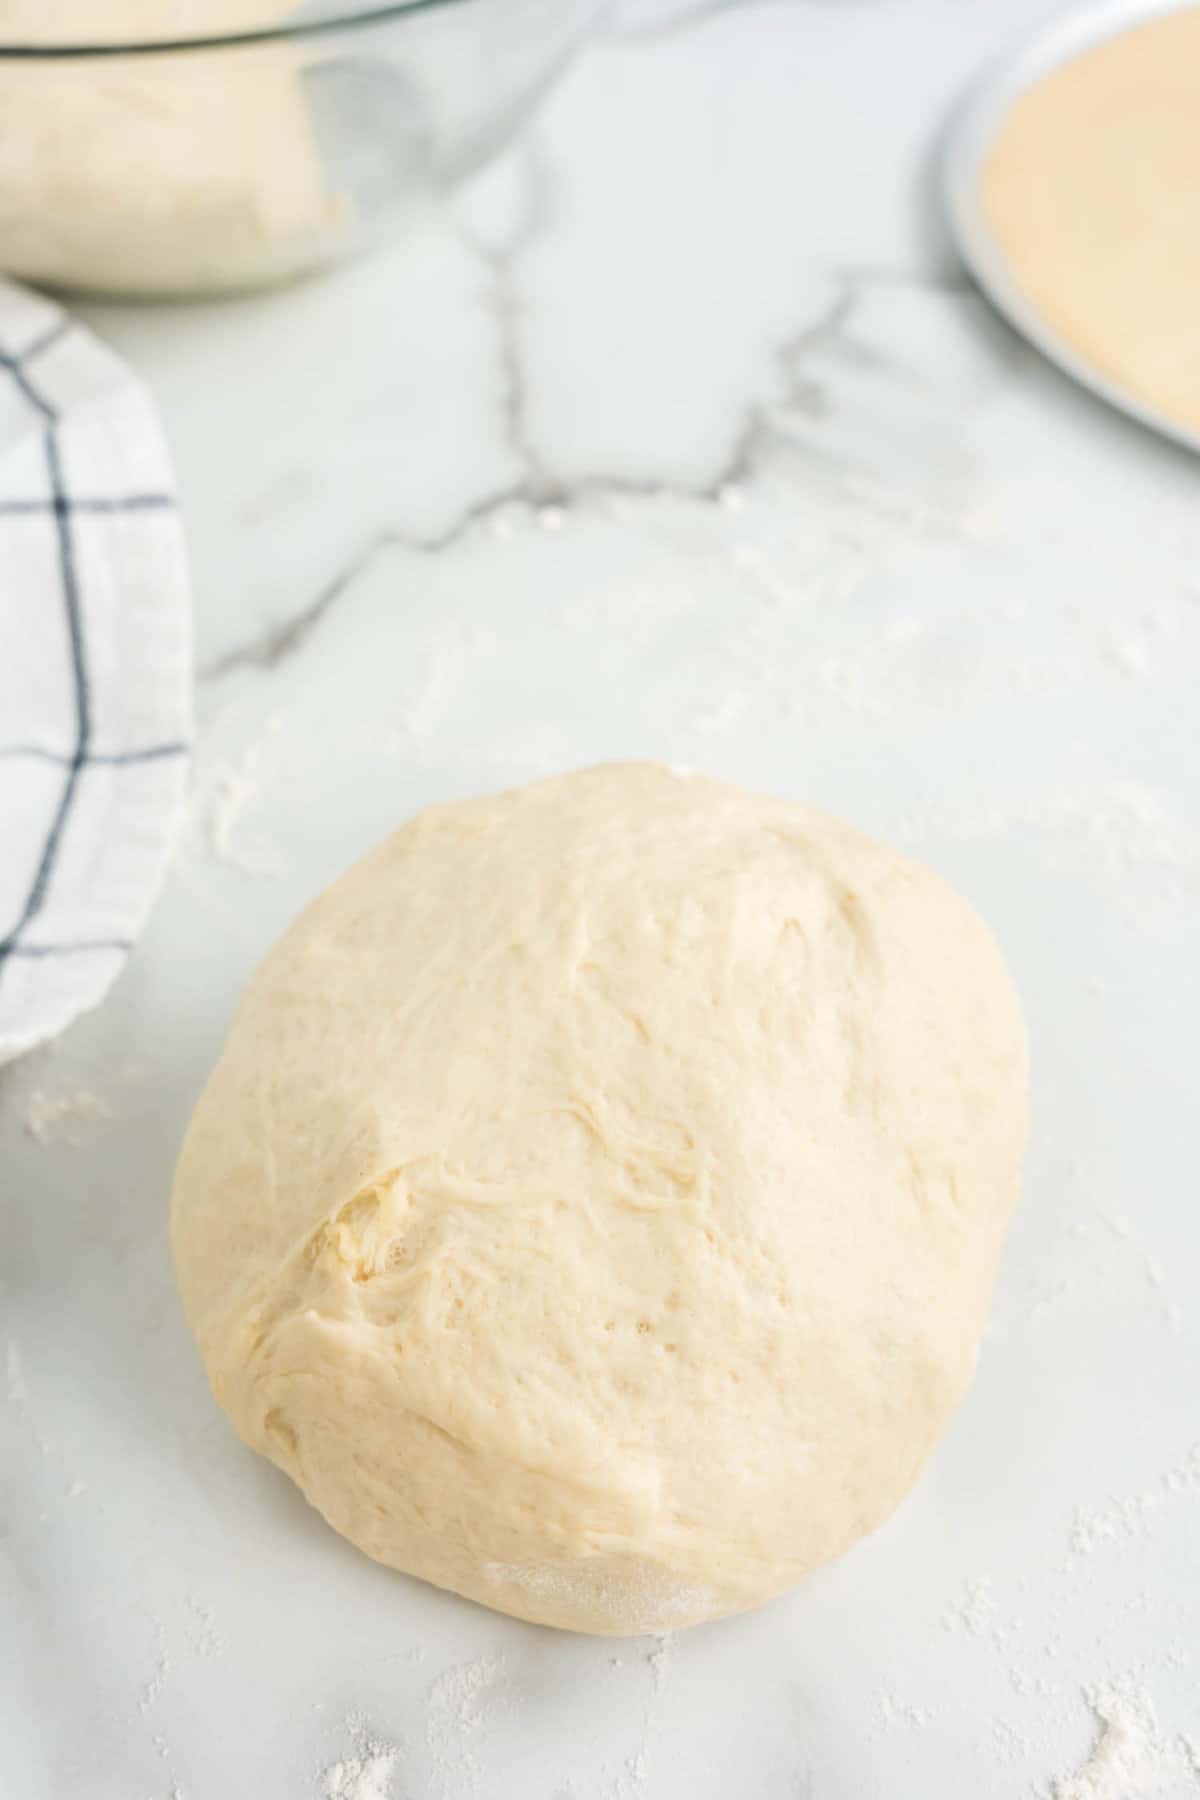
pixel 60 506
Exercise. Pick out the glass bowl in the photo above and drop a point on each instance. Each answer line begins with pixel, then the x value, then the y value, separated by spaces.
pixel 239 143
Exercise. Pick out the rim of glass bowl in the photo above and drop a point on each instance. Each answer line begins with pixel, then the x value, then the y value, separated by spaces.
pixel 324 23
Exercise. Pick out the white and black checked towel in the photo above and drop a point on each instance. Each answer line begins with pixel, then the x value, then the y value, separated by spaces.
pixel 95 666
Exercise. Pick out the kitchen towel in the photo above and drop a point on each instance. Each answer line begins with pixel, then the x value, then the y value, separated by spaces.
pixel 95 666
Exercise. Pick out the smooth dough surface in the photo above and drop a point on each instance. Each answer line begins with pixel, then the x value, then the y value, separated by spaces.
pixel 596 1205
pixel 1090 189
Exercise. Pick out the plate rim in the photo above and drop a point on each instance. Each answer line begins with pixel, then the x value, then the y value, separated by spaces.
pixel 972 129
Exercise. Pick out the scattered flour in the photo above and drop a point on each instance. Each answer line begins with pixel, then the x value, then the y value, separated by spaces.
pixel 457 1708
pixel 1127 1518
pixel 719 718
pixel 366 1774
pixel 236 788
pixel 1058 1293
pixel 976 1611
pixel 154 1687
pixel 1129 1757
pixel 753 563
pixel 660 1659
pixel 1184 1477
pixel 55 1118
pixel 1134 1515
pixel 1124 825
pixel 1128 653
pixel 421 709
pixel 1024 1682
pixel 460 1705
pixel 18 1393
pixel 898 1712
pixel 630 1782
pixel 424 708
pixel 202 1632
pixel 1011 1745
pixel 1153 1273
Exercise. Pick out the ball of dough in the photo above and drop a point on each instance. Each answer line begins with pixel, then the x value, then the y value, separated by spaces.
pixel 596 1205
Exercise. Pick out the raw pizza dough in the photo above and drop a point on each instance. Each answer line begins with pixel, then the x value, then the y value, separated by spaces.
pixel 596 1205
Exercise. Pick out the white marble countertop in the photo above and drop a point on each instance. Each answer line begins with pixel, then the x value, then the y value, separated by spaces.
pixel 682 435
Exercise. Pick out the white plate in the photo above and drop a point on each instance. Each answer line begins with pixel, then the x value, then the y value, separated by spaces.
pixel 972 132
pixel 95 666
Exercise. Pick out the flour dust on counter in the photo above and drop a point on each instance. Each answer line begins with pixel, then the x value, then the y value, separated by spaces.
pixel 201 1628
pixel 14 1373
pixel 58 1116
pixel 1133 1752
pixel 1133 1516
pixel 63 1105
pixel 460 1703
pixel 462 1708
pixel 228 791
pixel 367 1769
pixel 1130 1758
pixel 976 1611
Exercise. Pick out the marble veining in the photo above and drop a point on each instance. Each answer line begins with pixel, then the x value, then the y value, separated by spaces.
pixel 679 434
pixel 536 485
